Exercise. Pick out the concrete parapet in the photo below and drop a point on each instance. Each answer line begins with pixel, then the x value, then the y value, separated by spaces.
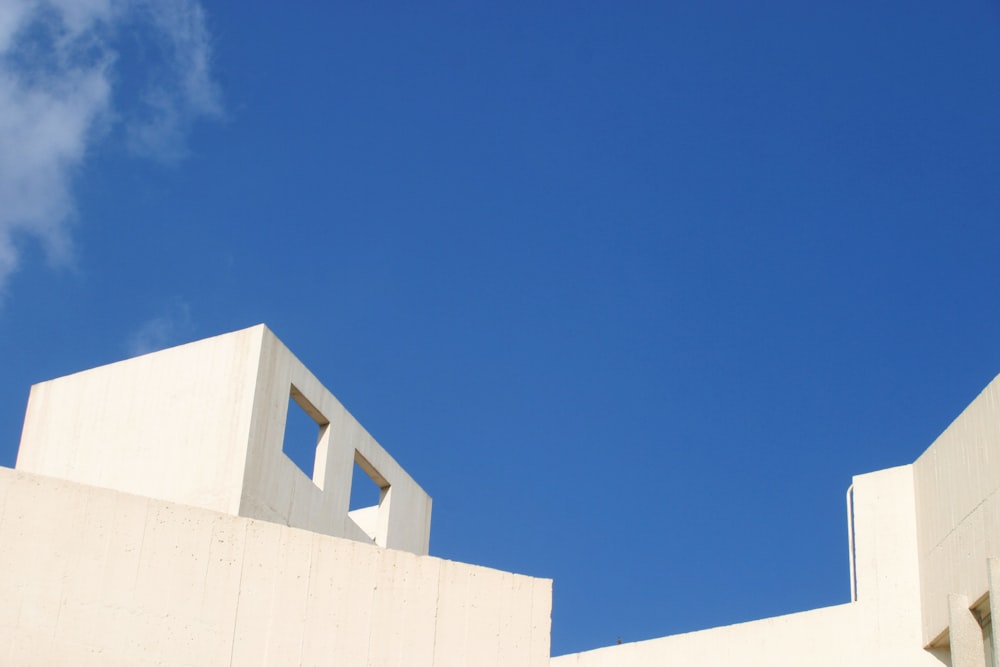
pixel 881 628
pixel 957 488
pixel 96 577
pixel 202 424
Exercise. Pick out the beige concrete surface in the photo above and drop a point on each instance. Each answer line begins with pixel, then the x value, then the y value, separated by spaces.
pixel 965 635
pixel 93 576
pixel 202 424
pixel 957 483
pixel 154 520
pixel 881 628
pixel 926 538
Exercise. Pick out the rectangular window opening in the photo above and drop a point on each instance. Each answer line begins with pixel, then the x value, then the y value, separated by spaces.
pixel 304 426
pixel 368 487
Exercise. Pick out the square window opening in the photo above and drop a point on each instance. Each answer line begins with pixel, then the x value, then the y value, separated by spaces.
pixel 304 426
pixel 368 487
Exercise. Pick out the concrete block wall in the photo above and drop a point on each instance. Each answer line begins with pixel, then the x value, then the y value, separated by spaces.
pixel 92 576
pixel 202 424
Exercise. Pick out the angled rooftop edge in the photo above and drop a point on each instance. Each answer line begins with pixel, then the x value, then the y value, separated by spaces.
pixel 202 425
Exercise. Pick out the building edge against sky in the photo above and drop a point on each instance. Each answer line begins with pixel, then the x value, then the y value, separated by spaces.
pixel 153 519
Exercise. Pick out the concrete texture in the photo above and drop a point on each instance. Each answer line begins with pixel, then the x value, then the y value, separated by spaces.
pixel 881 628
pixel 153 519
pixel 202 425
pixel 957 483
pixel 966 637
pixel 925 539
pixel 93 576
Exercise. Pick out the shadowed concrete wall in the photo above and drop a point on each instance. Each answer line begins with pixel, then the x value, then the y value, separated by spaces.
pixel 94 577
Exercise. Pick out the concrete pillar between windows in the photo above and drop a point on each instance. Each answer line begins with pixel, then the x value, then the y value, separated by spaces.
pixel 965 634
pixel 994 577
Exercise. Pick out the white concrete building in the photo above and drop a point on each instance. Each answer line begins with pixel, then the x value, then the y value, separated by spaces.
pixel 153 519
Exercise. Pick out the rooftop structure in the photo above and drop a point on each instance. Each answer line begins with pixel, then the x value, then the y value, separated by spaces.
pixel 203 425
pixel 153 518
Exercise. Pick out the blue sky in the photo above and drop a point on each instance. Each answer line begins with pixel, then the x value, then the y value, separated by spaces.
pixel 631 289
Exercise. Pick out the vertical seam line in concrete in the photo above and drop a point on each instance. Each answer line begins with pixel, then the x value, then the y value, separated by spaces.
pixel 437 609
pixel 239 590
pixel 500 614
pixel 531 627
pixel 14 478
pixel 208 561
pixel 371 615
pixel 252 421
pixel 142 546
pixel 81 528
pixel 305 602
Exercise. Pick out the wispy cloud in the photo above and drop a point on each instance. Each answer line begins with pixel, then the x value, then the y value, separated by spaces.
pixel 57 77
pixel 170 327
pixel 184 89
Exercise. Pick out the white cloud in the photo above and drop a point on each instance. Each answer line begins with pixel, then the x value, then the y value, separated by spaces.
pixel 57 76
pixel 170 327
pixel 12 16
pixel 185 90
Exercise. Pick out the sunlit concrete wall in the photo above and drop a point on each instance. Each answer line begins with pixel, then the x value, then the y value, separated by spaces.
pixel 171 425
pixel 958 510
pixel 97 577
pixel 203 424
pixel 926 559
pixel 881 628
pixel 172 537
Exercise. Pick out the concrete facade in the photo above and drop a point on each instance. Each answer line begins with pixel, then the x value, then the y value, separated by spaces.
pixel 202 425
pixel 925 543
pixel 92 576
pixel 153 519
pixel 881 627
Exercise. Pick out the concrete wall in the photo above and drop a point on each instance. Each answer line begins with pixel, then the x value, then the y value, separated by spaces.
pixel 93 576
pixel 171 425
pixel 881 628
pixel 185 556
pixel 958 507
pixel 202 424
pixel 926 549
pixel 275 489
